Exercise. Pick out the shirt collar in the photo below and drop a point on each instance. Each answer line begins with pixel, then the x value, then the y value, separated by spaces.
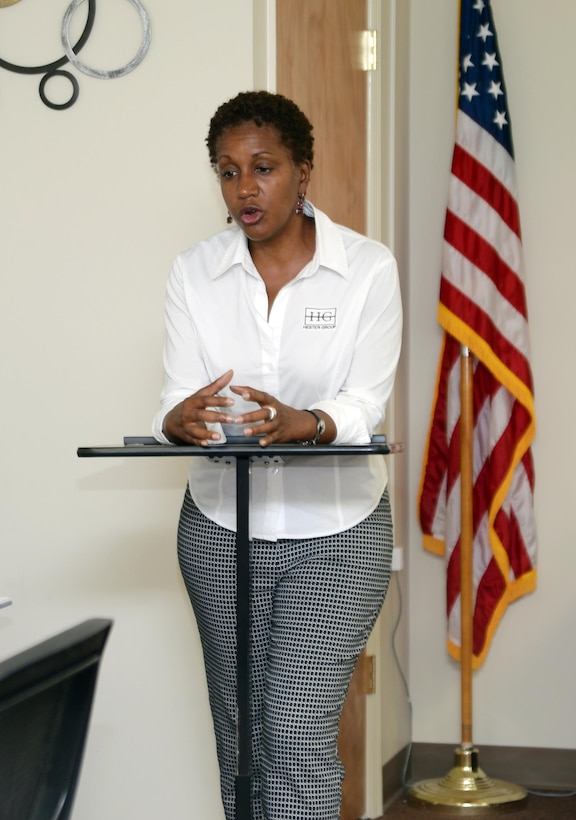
pixel 330 251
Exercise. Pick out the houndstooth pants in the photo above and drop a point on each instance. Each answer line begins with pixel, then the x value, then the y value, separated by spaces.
pixel 313 605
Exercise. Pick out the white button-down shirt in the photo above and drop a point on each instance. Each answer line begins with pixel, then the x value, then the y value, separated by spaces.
pixel 331 342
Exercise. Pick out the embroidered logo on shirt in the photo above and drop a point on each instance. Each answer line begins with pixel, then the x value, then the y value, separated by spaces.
pixel 320 318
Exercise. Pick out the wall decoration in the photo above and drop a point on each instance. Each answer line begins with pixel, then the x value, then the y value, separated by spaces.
pixel 54 69
pixel 117 72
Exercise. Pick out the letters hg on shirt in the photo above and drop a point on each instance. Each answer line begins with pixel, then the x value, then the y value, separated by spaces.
pixel 319 318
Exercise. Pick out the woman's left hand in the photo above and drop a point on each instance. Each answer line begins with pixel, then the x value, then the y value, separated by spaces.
pixel 277 422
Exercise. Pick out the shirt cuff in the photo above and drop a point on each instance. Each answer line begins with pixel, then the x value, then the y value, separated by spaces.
pixel 351 426
pixel 158 424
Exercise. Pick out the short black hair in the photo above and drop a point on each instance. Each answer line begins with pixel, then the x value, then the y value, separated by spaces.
pixel 265 108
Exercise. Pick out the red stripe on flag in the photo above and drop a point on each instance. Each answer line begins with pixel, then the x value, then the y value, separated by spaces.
pixel 479 179
pixel 474 317
pixel 509 533
pixel 488 595
pixel 430 495
pixel 484 256
pixel 453 578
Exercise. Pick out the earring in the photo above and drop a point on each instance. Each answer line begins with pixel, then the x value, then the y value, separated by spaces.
pixel 300 204
pixel 229 219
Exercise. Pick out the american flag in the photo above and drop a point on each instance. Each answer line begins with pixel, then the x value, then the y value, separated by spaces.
pixel 483 307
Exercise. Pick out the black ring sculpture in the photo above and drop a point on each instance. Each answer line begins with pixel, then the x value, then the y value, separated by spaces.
pixel 50 68
pixel 58 73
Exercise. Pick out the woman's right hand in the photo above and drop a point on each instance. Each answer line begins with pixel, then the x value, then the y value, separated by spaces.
pixel 186 423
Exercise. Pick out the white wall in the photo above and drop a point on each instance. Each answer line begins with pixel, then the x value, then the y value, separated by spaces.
pixel 95 202
pixel 524 693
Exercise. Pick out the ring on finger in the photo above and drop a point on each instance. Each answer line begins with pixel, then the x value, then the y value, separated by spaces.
pixel 272 412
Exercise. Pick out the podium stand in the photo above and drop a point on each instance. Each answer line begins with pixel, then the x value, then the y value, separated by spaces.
pixel 242 450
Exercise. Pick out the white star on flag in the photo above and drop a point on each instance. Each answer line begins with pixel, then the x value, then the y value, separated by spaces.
pixel 495 89
pixel 490 60
pixel 500 119
pixel 484 32
pixel 469 91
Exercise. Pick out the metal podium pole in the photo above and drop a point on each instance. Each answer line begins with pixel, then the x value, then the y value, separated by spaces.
pixel 243 584
pixel 243 451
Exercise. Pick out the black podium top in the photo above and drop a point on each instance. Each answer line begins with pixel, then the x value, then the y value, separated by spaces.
pixel 236 446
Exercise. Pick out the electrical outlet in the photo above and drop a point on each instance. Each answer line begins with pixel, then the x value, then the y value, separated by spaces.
pixel 397 559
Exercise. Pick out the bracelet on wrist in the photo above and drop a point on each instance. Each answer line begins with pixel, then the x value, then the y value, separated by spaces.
pixel 320 428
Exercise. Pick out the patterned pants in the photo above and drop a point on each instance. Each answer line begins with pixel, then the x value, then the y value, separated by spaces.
pixel 313 605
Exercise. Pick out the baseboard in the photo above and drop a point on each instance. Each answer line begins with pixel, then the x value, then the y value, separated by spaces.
pixel 393 774
pixel 531 767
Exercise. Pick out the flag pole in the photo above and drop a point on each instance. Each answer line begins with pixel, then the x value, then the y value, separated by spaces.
pixel 466 542
pixel 466 787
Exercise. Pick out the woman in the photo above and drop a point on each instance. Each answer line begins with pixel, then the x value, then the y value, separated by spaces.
pixel 286 327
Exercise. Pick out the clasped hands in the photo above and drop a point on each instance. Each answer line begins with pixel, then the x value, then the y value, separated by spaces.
pixel 272 420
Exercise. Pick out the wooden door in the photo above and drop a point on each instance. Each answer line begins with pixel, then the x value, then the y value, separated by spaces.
pixel 317 67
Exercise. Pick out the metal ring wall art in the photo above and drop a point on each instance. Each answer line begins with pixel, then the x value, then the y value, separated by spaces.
pixel 54 69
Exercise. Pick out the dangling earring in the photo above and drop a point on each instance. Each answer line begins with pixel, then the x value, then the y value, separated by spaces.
pixel 300 205
pixel 229 219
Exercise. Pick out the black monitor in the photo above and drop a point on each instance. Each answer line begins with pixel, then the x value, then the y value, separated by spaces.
pixel 46 695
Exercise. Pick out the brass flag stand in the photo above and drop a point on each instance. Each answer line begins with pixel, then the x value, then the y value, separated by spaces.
pixel 466 787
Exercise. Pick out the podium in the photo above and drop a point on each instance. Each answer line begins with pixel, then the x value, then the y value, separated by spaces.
pixel 242 451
